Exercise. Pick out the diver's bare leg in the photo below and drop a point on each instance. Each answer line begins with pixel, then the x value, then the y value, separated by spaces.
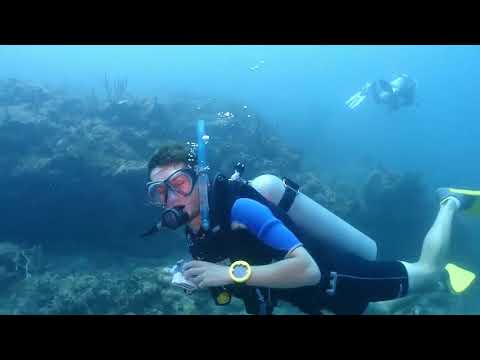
pixel 424 274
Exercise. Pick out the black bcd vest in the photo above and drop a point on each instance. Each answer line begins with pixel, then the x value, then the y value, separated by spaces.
pixel 220 242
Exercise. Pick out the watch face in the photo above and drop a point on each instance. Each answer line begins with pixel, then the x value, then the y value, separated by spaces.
pixel 240 271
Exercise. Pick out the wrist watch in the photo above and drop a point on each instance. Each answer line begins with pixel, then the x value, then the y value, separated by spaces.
pixel 240 272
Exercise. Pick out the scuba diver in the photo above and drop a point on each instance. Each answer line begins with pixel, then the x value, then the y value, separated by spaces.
pixel 263 241
pixel 395 94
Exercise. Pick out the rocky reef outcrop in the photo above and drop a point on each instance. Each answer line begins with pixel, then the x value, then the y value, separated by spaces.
pixel 74 170
pixel 76 167
pixel 136 289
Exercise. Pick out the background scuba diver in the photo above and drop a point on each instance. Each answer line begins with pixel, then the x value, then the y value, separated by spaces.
pixel 248 227
pixel 395 94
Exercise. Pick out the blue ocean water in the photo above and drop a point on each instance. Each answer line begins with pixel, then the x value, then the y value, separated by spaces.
pixel 302 90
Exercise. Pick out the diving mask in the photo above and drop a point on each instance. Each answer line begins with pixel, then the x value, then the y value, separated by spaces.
pixel 180 182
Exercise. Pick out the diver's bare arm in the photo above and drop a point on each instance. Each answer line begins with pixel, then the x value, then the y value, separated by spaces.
pixel 296 270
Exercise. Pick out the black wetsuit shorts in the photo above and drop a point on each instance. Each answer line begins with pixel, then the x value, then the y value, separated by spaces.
pixel 348 286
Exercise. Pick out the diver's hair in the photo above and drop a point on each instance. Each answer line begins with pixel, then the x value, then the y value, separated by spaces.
pixel 173 154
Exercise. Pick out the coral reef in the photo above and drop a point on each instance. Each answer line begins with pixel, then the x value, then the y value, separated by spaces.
pixel 15 92
pixel 339 198
pixel 439 302
pixel 17 263
pixel 92 153
pixel 395 211
pixel 75 169
pixel 142 290
pixel 384 188
pixel 146 290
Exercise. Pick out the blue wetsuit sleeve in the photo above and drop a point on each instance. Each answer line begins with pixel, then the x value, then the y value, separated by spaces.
pixel 260 221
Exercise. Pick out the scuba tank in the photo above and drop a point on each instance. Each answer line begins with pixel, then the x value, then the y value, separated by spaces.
pixel 313 218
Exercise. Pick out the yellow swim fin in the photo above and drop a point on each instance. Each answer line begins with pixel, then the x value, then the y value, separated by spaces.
pixel 472 204
pixel 460 279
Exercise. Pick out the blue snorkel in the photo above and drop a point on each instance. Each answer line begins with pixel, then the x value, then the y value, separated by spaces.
pixel 202 140
pixel 175 217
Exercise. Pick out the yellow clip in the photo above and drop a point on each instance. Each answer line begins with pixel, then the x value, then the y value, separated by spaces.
pixel 223 298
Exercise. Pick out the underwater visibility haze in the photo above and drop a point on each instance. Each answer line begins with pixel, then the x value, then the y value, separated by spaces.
pixel 79 123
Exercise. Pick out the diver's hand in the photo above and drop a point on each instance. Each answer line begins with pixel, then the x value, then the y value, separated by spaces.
pixel 206 274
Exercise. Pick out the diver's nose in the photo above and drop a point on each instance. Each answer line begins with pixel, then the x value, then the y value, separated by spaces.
pixel 172 199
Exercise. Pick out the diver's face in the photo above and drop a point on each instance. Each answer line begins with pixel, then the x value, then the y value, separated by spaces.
pixel 190 202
